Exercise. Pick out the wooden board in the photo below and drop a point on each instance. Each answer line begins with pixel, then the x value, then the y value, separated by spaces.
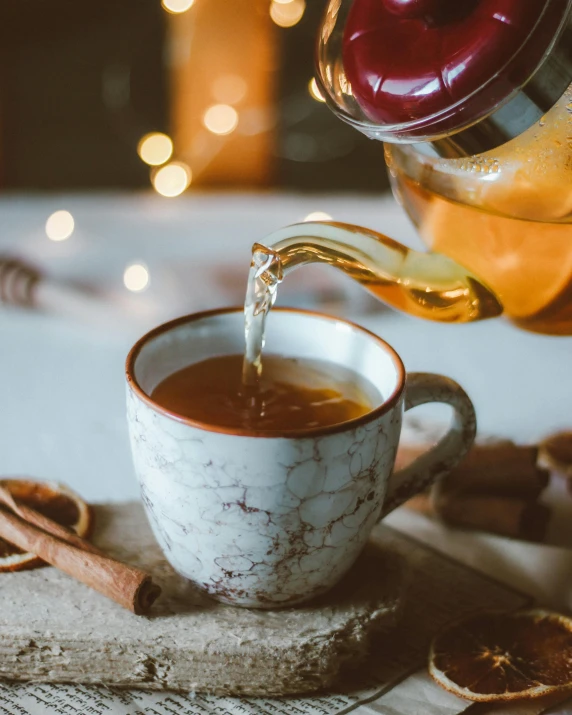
pixel 54 629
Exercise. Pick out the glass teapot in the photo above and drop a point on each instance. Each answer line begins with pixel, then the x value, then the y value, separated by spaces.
pixel 473 99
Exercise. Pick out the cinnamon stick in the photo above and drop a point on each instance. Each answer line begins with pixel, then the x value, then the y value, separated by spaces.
pixel 500 468
pixel 127 585
pixel 505 516
pixel 43 522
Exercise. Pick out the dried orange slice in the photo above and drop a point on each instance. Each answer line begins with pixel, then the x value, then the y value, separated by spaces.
pixel 55 501
pixel 504 656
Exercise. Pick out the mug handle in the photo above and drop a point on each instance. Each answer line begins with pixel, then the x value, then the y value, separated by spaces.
pixel 421 388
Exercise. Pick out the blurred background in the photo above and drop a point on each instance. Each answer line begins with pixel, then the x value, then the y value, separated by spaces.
pixel 173 95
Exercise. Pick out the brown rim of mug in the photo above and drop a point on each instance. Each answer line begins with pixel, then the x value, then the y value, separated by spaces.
pixel 385 406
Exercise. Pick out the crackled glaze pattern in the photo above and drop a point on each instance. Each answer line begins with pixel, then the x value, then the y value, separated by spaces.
pixel 273 521
pixel 261 522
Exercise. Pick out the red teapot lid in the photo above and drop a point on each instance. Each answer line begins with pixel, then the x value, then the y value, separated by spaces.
pixel 443 64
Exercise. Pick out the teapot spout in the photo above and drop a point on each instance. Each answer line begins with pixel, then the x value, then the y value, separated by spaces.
pixel 426 285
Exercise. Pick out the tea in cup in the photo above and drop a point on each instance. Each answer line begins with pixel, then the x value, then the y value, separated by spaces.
pixel 268 505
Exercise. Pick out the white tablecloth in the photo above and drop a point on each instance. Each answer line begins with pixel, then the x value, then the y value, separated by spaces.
pixel 62 391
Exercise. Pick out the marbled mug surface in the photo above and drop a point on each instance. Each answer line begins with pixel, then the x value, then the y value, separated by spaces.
pixel 269 520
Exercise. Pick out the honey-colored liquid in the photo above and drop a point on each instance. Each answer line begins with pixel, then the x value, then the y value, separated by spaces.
pixel 527 264
pixel 505 215
pixel 499 225
pixel 292 394
pixel 427 285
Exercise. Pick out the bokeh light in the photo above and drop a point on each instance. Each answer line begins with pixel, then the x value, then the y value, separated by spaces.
pixel 59 226
pixel 318 216
pixel 221 119
pixel 177 6
pixel 315 90
pixel 155 148
pixel 172 179
pixel 136 277
pixel 229 89
pixel 287 14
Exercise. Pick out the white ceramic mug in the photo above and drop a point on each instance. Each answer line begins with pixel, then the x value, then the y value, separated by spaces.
pixel 273 519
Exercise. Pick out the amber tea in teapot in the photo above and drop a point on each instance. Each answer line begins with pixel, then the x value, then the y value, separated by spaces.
pixel 505 214
pixel 474 103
